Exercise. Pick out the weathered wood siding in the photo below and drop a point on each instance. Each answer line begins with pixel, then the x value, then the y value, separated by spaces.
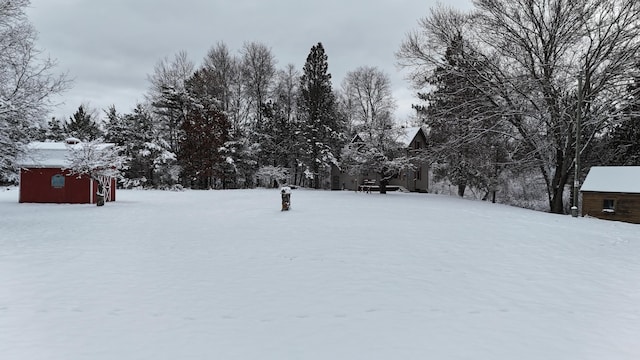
pixel 627 206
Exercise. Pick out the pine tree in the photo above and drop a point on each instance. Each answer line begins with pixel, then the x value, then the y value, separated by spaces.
pixel 205 130
pixel 116 130
pixel 55 130
pixel 82 125
pixel 140 142
pixel 462 138
pixel 321 127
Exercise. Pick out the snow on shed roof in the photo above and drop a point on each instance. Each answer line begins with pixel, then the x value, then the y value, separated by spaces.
pixel 625 179
pixel 49 154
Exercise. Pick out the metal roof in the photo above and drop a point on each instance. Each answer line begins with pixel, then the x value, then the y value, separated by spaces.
pixel 625 179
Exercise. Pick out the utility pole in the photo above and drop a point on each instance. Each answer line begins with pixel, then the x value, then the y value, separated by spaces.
pixel 576 174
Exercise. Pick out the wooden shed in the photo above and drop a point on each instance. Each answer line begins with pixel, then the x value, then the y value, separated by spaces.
pixel 612 193
pixel 43 178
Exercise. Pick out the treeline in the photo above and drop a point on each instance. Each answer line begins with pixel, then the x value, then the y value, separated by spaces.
pixel 236 121
pixel 509 93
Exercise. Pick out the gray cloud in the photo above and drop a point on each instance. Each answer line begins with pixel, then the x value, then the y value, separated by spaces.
pixel 109 47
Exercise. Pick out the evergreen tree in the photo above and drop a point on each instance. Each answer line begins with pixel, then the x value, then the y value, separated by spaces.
pixel 321 128
pixel 82 125
pixel 205 130
pixel 462 139
pixel 116 130
pixel 166 97
pixel 275 135
pixel 240 160
pixel 55 130
pixel 141 144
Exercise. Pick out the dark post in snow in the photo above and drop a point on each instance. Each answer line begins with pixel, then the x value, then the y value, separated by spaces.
pixel 576 174
pixel 285 194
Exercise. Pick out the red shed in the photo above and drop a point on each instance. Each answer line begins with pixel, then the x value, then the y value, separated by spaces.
pixel 44 180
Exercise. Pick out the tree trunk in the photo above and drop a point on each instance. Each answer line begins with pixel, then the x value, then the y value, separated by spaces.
pixel 560 178
pixel 557 205
pixel 461 189
pixel 383 186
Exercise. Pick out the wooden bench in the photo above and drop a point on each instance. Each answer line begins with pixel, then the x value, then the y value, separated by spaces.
pixel 367 185
pixel 370 185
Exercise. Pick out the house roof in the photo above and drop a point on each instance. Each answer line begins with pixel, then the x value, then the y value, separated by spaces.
pixel 407 135
pixel 49 154
pixel 625 179
pixel 403 136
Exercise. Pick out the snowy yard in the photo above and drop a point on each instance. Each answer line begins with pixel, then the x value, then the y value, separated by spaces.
pixel 226 275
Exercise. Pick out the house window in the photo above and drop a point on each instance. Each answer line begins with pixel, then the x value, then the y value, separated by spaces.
pixel 609 206
pixel 417 145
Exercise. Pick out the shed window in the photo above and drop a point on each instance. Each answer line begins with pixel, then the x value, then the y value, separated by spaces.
pixel 57 181
pixel 609 205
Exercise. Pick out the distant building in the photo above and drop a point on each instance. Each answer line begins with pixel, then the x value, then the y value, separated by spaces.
pixel 411 140
pixel 612 193
pixel 44 180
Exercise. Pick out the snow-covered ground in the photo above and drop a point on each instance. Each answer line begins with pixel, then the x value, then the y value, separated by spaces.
pixel 226 275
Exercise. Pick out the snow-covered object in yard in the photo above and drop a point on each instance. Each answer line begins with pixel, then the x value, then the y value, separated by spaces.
pixel 285 194
pixel 621 179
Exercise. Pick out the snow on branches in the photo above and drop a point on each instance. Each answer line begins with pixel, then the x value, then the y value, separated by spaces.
pixel 269 174
pixel 100 161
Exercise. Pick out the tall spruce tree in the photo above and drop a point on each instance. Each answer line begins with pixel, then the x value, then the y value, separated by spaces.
pixel 205 131
pixel 82 125
pixel 464 138
pixel 321 127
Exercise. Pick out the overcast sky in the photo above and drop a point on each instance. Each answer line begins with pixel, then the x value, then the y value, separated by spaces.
pixel 109 47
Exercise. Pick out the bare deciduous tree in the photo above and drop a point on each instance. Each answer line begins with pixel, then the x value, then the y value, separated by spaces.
pixel 167 80
pixel 27 82
pixel 369 100
pixel 258 70
pixel 533 53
